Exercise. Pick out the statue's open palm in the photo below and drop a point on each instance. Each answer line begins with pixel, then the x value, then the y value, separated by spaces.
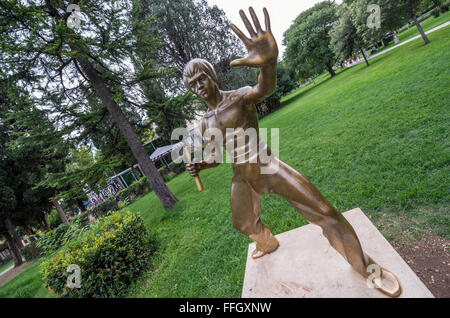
pixel 261 46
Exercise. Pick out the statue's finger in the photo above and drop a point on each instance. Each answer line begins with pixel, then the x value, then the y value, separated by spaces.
pixel 247 23
pixel 267 19
pixel 255 20
pixel 240 34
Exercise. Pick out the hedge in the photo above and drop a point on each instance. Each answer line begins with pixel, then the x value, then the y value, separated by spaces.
pixel 109 204
pixel 114 250
pixel 51 241
pixel 135 190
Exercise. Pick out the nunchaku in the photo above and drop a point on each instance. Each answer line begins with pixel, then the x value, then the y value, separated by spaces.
pixel 187 151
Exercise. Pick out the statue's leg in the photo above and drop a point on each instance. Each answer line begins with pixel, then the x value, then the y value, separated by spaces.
pixel 246 210
pixel 307 200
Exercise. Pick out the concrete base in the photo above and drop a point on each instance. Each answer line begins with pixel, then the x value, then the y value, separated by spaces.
pixel 305 265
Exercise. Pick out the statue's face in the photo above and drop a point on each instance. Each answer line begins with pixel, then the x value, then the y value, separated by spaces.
pixel 202 85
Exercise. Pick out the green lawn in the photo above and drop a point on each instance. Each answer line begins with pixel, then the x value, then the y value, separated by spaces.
pixel 7 265
pixel 374 137
pixel 27 284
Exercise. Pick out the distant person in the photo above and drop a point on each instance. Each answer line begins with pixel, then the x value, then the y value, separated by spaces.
pixel 396 39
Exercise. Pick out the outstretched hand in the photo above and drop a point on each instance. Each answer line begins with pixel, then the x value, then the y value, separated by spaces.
pixel 261 46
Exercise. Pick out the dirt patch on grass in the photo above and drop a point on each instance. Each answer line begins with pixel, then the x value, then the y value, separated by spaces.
pixel 6 277
pixel 429 258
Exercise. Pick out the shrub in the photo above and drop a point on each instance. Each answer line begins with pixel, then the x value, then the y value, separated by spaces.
pixel 51 241
pixel 82 219
pixel 177 168
pixel 110 255
pixel 103 208
pixel 124 194
pixel 445 7
pixel 436 12
pixel 53 219
pixel 135 190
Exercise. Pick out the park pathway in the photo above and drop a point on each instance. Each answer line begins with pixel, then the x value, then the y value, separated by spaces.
pixel 402 43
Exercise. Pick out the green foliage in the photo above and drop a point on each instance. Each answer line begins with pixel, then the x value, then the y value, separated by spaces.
pixel 110 255
pixel 174 170
pixel 393 16
pixel 51 241
pixel 103 208
pixel 30 252
pixel 436 12
pixel 189 29
pixel 135 190
pixel 53 219
pixel 30 148
pixel 344 39
pixel 41 53
pixel 173 113
pixel 307 41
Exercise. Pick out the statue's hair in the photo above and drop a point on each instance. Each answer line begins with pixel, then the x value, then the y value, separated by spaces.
pixel 196 65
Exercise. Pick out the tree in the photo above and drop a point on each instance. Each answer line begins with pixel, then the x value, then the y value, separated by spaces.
pixel 411 7
pixel 72 66
pixel 394 14
pixel 344 38
pixel 30 147
pixel 307 41
pixel 186 29
pixel 190 29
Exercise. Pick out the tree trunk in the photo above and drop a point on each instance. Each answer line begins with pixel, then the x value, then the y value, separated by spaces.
pixel 330 69
pixel 419 27
pixel 14 249
pixel 365 57
pixel 137 148
pixel 60 211
pixel 12 231
pixel 44 221
pixel 41 224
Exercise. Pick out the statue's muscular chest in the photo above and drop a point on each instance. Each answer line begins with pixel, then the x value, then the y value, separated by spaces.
pixel 232 112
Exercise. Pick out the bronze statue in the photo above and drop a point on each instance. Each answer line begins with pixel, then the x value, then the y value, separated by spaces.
pixel 235 109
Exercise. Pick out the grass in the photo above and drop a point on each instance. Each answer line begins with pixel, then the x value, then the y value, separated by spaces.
pixel 7 265
pixel 374 137
pixel 26 285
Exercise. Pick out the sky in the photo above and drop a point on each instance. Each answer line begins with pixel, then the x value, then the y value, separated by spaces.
pixel 282 13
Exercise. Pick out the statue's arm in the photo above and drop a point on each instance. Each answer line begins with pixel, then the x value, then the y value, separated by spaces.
pixel 267 81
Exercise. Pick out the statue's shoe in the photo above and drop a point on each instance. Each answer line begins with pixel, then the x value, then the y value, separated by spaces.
pixel 257 253
pixel 388 283
pixel 265 243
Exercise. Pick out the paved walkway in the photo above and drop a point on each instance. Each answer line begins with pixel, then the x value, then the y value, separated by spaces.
pixel 402 43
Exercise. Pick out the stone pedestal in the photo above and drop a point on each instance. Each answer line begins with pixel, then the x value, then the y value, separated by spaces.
pixel 305 265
